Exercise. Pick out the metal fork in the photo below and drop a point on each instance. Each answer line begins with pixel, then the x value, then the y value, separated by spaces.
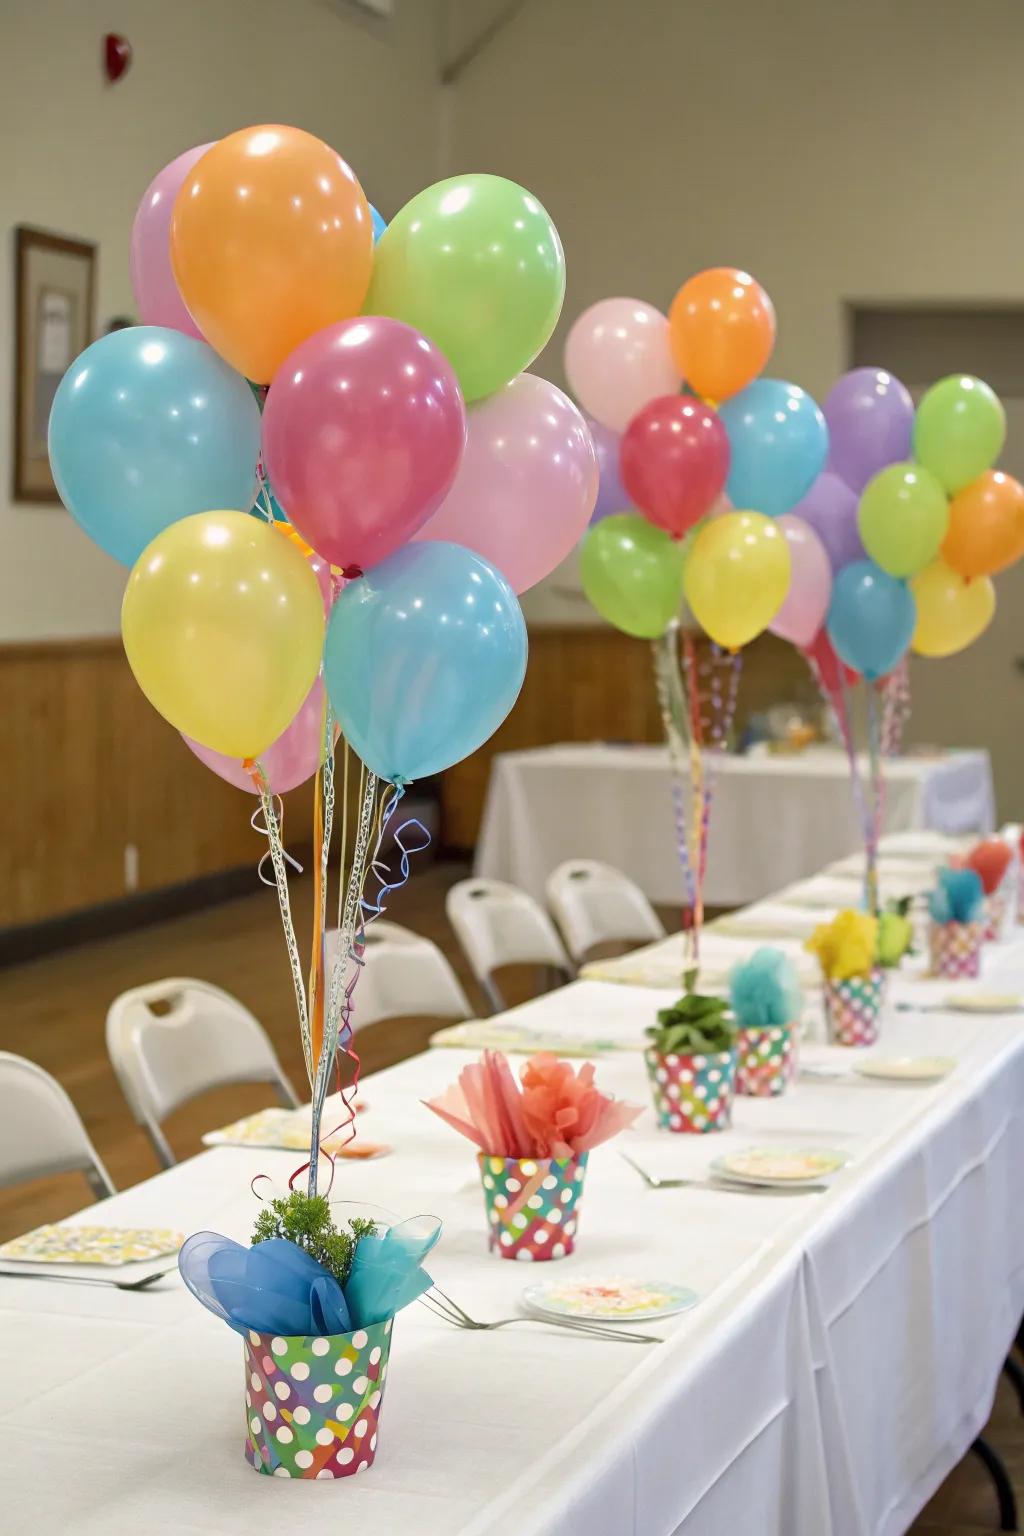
pixel 119 1285
pixel 443 1306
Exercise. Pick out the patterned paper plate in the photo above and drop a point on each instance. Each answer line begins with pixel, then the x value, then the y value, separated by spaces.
pixel 65 1243
pixel 906 1069
pixel 780 1165
pixel 287 1130
pixel 611 1299
pixel 983 1002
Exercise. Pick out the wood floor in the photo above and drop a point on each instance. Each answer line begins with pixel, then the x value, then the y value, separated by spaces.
pixel 53 1011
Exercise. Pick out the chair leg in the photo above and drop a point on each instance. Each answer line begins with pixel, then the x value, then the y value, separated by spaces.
pixel 1015 1375
pixel 994 1466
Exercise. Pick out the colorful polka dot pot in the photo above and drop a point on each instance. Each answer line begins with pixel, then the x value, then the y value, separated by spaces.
pixel 852 1008
pixel 312 1405
pixel 995 914
pixel 765 1060
pixel 692 1093
pixel 532 1204
pixel 955 948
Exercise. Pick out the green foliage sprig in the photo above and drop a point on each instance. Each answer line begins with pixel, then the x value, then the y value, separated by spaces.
pixel 695 1025
pixel 307 1223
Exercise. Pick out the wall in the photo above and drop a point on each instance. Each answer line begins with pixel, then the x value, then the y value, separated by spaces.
pixel 78 154
pixel 839 151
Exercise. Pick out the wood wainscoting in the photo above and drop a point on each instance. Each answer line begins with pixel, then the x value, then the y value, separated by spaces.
pixel 90 770
pixel 597 684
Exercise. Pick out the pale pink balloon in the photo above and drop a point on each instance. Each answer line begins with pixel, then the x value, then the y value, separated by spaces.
pixel 617 359
pixel 363 432
pixel 156 292
pixel 288 762
pixel 810 585
pixel 527 483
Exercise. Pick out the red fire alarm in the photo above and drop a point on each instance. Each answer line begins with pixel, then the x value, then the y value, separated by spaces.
pixel 117 55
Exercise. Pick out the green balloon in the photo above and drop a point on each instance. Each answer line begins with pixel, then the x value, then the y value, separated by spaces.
pixel 632 572
pixel 959 430
pixel 477 266
pixel 903 517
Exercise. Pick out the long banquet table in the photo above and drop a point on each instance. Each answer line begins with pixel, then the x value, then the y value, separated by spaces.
pixel 842 1357
pixel 776 818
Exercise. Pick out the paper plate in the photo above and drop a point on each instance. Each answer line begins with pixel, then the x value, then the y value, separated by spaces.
pixel 780 1165
pixel 608 1299
pixel 906 1069
pixel 69 1244
pixel 983 1002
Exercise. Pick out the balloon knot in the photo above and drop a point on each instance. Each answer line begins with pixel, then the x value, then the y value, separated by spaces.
pixel 350 572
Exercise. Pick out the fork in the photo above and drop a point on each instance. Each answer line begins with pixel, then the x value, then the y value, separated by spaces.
pixel 119 1285
pixel 719 1185
pixel 442 1305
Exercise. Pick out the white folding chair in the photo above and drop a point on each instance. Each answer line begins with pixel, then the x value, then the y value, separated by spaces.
pixel 595 903
pixel 403 976
pixel 41 1131
pixel 497 925
pixel 173 1039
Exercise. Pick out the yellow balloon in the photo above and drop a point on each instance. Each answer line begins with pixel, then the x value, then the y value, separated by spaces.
pixel 952 611
pixel 223 626
pixel 737 576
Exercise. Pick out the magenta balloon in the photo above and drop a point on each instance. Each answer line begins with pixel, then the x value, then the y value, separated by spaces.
pixel 810 583
pixel 527 484
pixel 292 759
pixel 830 508
pixel 611 494
pixel 870 417
pixel 363 432
pixel 156 292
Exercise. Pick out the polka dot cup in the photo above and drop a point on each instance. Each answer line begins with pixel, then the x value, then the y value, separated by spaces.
pixel 852 1008
pixel 996 907
pixel 692 1093
pixel 532 1204
pixel 312 1406
pixel 955 948
pixel 765 1060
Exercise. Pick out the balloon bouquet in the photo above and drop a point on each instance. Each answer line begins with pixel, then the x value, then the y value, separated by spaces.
pixel 712 469
pixel 351 560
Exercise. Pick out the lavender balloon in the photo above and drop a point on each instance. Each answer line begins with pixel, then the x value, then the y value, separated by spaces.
pixel 156 292
pixel 870 419
pixel 611 496
pixel 830 509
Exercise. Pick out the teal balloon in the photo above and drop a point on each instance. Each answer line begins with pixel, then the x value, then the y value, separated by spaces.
pixel 778 444
pixel 871 618
pixel 379 224
pixel 424 657
pixel 149 426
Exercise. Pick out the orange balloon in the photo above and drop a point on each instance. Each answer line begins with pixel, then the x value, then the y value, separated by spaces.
pixel 721 331
pixel 271 240
pixel 986 525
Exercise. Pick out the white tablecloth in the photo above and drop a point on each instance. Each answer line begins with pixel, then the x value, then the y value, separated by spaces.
pixel 774 820
pixel 842 1358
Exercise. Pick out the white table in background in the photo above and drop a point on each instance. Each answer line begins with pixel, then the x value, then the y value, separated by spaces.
pixel 842 1358
pixel 774 819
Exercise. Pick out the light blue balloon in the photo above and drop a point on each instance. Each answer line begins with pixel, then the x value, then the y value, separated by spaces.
pixel 149 426
pixel 379 224
pixel 871 618
pixel 425 656
pixel 778 444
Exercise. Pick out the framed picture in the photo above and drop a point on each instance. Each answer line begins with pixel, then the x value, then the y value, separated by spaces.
pixel 54 299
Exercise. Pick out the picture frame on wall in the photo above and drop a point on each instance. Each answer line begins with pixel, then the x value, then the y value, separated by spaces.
pixel 54 320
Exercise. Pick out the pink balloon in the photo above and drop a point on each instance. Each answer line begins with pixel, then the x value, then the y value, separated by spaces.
pixel 810 588
pixel 156 292
pixel 363 432
pixel 288 762
pixel 527 483
pixel 617 358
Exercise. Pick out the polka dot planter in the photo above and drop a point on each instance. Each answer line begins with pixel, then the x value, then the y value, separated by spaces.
pixel 765 1060
pixel 312 1406
pixel 692 1093
pixel 532 1204
pixel 852 1008
pixel 955 948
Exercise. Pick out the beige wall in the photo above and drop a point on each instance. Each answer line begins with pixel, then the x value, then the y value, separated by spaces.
pixel 78 154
